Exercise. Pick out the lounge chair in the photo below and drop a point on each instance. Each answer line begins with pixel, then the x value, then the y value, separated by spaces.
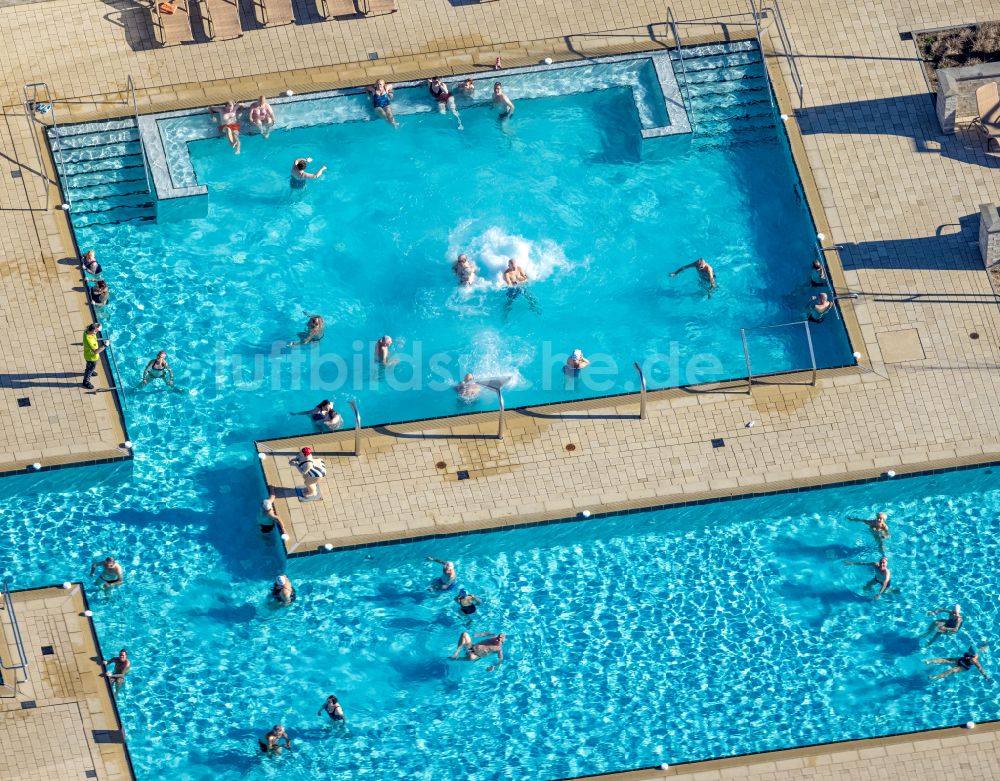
pixel 988 100
pixel 274 13
pixel 374 7
pixel 173 27
pixel 222 18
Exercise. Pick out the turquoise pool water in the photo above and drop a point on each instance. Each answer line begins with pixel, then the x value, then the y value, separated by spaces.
pixel 597 216
pixel 621 652
pixel 662 636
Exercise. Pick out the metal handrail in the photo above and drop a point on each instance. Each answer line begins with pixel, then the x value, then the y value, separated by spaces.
pixel 357 427
pixel 760 46
pixel 680 56
pixel 746 354
pixel 498 388
pixel 809 341
pixel 130 87
pixel 786 42
pixel 119 385
pixel 15 629
pixel 30 101
pixel 642 391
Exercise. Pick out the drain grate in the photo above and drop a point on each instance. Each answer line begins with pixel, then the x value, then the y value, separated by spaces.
pixel 28 705
pixel 463 474
pixel 720 442
pixel 48 650
pixel 24 402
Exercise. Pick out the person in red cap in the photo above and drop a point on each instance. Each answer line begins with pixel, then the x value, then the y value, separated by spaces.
pixel 311 469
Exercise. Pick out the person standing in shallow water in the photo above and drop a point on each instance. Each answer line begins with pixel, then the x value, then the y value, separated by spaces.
pixel 882 575
pixel 158 369
pixel 878 526
pixel 706 274
pixel 300 175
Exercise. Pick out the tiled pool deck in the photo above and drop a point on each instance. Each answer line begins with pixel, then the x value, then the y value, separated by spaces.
pixel 900 199
pixel 62 724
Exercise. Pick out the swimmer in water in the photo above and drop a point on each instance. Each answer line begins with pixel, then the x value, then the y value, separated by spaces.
pixel 502 102
pixel 300 175
pixel 381 93
pixel 878 526
pixel 882 574
pixel 817 275
pixel 99 294
pixel 493 644
pixel 324 416
pixel 111 575
pixel 445 100
pixel 269 516
pixel 465 270
pixel 122 666
pixel 468 88
pixel 262 116
pixel 468 389
pixel 229 121
pixel 819 309
pixel 315 328
pixel 269 745
pixel 282 590
pixel 89 262
pixel 576 362
pixel 514 275
pixel 946 626
pixel 382 351
pixel 332 709
pixel 467 602
pixel 961 664
pixel 447 578
pixel 705 273
pixel 158 369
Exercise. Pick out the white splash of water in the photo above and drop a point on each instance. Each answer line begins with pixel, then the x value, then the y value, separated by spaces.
pixel 492 249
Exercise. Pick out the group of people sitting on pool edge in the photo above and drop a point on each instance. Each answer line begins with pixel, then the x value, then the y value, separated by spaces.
pixel 472 646
pixel 260 113
pixel 882 578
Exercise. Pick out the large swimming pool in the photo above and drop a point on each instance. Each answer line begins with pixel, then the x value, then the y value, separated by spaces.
pixel 659 637
pixel 654 637
pixel 596 214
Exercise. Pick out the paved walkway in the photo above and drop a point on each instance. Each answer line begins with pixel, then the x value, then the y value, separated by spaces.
pixel 944 755
pixel 62 724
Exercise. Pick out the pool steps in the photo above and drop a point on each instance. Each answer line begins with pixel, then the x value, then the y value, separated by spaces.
pixel 103 173
pixel 728 94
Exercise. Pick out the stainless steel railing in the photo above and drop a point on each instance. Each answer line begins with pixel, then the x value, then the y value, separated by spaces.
pixel 786 43
pixel 15 631
pixel 809 342
pixel 680 57
pixel 37 94
pixel 130 88
pixel 119 385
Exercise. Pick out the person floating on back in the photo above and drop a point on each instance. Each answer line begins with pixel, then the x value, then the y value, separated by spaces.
pixel 706 274
pixel 946 626
pixel 493 644
pixel 961 664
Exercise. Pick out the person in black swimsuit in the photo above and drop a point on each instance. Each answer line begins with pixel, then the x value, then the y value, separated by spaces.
pixel 960 664
pixel 332 709
pixel 467 602
pixel 946 626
